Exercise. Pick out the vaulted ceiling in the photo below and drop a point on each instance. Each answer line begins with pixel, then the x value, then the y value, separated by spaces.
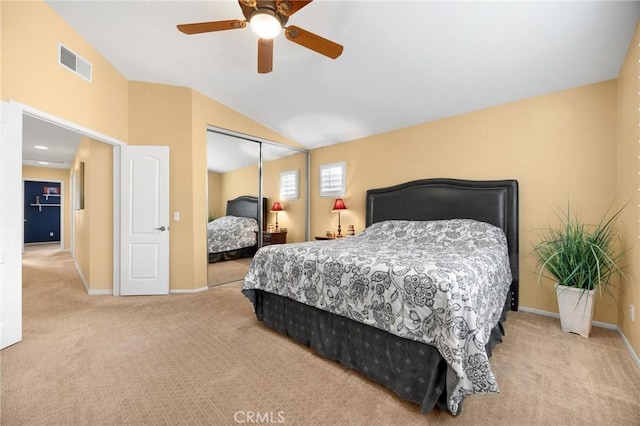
pixel 404 62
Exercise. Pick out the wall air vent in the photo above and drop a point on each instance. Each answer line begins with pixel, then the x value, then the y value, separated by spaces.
pixel 75 63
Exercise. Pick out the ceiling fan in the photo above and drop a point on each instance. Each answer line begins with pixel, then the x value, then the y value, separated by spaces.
pixel 267 19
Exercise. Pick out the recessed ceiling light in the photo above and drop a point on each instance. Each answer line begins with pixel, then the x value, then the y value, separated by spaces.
pixel 43 162
pixel 41 147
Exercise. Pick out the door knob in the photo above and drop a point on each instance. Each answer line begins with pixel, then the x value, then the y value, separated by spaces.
pixel 162 228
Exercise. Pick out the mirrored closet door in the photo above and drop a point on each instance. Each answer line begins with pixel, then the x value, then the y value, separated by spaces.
pixel 241 171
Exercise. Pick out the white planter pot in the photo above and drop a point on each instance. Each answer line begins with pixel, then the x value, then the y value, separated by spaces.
pixel 576 309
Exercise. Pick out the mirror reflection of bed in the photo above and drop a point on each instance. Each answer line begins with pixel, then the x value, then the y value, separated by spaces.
pixel 233 239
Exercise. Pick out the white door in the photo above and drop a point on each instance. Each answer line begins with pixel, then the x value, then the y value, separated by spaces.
pixel 10 225
pixel 144 232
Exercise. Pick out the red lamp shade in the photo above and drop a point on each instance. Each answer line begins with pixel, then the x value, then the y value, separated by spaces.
pixel 339 204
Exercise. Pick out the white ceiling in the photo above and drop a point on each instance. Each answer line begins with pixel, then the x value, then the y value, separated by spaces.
pixel 61 143
pixel 404 62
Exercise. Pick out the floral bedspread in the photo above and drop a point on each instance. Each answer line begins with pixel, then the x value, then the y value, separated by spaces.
pixel 443 283
pixel 231 233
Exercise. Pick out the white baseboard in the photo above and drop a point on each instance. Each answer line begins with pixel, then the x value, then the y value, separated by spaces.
pixel 84 281
pixel 556 315
pixel 195 290
pixel 100 292
pixel 631 351
pixel 110 292
pixel 635 357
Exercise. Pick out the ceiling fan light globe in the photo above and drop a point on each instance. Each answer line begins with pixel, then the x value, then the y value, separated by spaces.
pixel 265 25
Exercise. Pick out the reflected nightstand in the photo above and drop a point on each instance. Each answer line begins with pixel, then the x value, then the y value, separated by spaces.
pixel 269 238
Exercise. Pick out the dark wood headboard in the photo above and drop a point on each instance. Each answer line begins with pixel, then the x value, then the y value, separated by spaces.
pixel 247 206
pixel 491 201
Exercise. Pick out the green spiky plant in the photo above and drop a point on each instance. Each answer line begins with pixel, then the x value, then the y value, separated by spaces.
pixel 581 256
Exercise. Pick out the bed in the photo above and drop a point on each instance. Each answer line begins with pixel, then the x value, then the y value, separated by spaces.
pixel 234 235
pixel 416 326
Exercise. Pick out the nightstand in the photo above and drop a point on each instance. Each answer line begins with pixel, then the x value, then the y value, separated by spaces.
pixel 269 238
pixel 325 238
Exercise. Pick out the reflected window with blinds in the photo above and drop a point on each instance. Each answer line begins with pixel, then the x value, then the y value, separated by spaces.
pixel 289 185
pixel 333 179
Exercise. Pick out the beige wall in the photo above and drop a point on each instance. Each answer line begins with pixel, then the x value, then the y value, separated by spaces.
pixel 81 218
pixel 628 184
pixel 559 147
pixel 31 75
pixel 62 175
pixel 237 182
pixel 214 189
pixel 93 233
pixel 293 216
pixel 99 201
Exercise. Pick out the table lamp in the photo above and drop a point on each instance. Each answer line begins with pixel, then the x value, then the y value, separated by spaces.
pixel 276 208
pixel 337 206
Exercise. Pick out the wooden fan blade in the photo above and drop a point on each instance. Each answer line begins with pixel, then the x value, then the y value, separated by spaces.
pixel 265 55
pixel 314 42
pixel 207 27
pixel 289 7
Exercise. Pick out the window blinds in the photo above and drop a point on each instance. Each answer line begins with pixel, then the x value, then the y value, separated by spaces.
pixel 332 179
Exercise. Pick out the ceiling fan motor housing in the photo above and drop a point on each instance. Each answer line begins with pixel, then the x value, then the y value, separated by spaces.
pixel 262 6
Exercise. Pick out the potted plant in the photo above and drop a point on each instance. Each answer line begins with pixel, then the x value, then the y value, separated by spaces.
pixel 581 259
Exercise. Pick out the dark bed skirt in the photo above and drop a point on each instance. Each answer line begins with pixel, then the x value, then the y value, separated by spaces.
pixel 415 371
pixel 232 254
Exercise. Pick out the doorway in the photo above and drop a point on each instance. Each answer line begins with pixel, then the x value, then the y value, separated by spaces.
pixel 11 209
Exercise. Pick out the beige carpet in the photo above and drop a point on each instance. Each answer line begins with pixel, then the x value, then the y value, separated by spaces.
pixel 202 359
pixel 227 271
